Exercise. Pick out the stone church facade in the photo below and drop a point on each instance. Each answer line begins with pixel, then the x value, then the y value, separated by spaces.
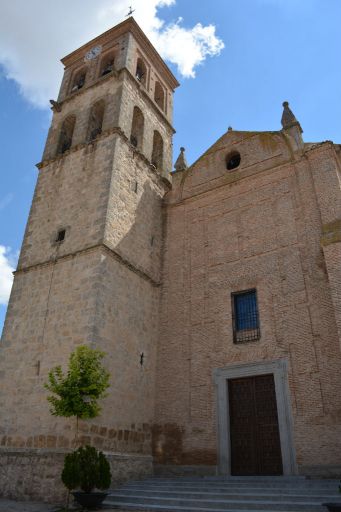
pixel 214 290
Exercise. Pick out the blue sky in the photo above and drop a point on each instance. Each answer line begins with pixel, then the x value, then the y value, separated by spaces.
pixel 274 50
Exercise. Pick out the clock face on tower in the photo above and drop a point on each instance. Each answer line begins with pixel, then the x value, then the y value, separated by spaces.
pixel 92 54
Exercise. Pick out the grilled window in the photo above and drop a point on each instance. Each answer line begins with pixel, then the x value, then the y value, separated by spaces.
pixel 245 316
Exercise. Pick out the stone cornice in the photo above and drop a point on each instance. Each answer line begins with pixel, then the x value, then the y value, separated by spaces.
pixel 318 145
pixel 126 26
pixel 114 254
pixel 43 452
pixel 97 81
pixel 103 135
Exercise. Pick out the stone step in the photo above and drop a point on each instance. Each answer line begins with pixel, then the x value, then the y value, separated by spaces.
pixel 132 506
pixel 234 489
pixel 216 494
pixel 233 495
pixel 230 504
pixel 307 484
pixel 208 478
pixel 237 507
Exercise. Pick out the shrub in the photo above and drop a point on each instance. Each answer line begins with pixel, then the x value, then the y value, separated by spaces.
pixel 87 469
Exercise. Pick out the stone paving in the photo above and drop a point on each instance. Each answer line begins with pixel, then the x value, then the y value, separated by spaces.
pixel 31 506
pixel 25 506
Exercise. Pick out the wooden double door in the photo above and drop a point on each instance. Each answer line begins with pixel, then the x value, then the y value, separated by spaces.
pixel 254 432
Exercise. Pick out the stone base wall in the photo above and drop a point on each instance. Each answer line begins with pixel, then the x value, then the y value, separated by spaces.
pixel 35 474
pixel 177 470
pixel 327 471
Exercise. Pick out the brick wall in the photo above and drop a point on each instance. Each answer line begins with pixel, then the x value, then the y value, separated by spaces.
pixel 256 227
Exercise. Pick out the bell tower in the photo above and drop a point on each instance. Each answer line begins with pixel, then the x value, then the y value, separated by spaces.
pixel 89 267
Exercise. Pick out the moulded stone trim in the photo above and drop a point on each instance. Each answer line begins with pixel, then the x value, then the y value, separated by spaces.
pixel 279 369
pixel 115 130
pixel 118 257
pixel 28 452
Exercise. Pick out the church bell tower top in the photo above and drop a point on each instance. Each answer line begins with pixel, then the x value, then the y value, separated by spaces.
pixel 128 26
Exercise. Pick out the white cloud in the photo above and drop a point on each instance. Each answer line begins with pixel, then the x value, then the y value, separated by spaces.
pixel 6 277
pixel 189 48
pixel 35 34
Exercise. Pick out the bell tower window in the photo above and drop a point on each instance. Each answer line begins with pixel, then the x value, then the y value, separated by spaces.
pixel 96 120
pixel 141 71
pixel 157 154
pixel 79 80
pixel 159 95
pixel 107 64
pixel 136 136
pixel 66 134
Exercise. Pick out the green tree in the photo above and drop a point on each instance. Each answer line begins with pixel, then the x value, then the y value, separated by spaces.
pixel 77 392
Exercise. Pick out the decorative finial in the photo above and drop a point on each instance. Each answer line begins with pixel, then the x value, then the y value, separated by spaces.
pixel 181 163
pixel 288 118
pixel 229 129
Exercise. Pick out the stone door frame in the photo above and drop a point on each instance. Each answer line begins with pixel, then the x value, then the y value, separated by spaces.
pixel 279 369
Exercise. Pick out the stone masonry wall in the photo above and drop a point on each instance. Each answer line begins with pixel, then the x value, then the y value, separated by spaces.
pixel 107 88
pixel 134 221
pixel 135 94
pixel 100 287
pixel 77 300
pixel 35 475
pixel 94 296
pixel 71 193
pixel 256 227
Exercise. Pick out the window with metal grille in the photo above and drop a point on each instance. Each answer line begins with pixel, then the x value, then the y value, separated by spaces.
pixel 245 316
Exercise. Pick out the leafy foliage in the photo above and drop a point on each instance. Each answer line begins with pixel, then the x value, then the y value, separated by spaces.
pixel 71 471
pixel 86 468
pixel 77 392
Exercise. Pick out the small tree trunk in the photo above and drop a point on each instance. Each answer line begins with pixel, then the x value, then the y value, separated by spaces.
pixel 76 436
pixel 67 500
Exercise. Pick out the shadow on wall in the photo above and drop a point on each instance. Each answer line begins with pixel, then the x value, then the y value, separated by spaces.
pixel 167 447
pixel 141 244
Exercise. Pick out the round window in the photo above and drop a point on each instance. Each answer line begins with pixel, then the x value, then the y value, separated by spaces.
pixel 232 160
